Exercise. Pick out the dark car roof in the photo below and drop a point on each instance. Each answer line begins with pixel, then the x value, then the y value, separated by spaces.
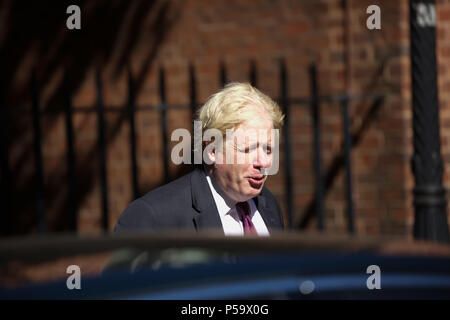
pixel 183 266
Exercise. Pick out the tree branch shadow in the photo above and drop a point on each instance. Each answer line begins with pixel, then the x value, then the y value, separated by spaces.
pixel 110 32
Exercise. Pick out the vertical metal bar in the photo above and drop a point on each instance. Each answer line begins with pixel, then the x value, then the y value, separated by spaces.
pixel 192 91
pixel 102 150
pixel 287 145
pixel 223 74
pixel 348 164
pixel 253 73
pixel 39 178
pixel 196 135
pixel 317 150
pixel 131 116
pixel 70 156
pixel 5 190
pixel 430 204
pixel 163 109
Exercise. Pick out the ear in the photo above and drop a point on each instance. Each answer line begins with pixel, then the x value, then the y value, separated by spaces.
pixel 210 152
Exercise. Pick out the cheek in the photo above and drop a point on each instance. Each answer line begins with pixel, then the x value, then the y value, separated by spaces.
pixel 242 170
pixel 231 172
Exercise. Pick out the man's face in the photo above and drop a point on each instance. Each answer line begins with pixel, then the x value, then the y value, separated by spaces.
pixel 245 154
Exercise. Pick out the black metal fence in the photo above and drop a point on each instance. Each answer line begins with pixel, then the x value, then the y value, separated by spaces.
pixel 285 101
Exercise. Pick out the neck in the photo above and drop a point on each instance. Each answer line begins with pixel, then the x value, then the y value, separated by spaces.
pixel 219 188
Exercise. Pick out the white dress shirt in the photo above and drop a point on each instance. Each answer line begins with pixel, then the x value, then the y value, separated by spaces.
pixel 232 224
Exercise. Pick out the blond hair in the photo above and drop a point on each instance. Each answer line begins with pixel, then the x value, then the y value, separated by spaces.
pixel 229 108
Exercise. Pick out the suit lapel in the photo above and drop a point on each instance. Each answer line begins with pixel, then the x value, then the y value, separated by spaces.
pixel 269 216
pixel 207 215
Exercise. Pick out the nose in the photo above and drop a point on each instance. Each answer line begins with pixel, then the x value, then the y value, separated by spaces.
pixel 263 160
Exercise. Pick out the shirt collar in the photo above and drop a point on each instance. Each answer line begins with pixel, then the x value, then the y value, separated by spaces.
pixel 223 207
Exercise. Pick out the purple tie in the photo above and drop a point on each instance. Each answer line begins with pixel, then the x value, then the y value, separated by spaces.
pixel 244 213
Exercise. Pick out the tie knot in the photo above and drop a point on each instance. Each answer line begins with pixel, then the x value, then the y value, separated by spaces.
pixel 244 213
pixel 243 208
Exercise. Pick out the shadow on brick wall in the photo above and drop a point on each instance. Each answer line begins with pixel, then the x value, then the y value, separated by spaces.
pixel 35 39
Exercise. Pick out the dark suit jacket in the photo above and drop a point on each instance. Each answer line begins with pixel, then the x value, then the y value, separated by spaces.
pixel 187 203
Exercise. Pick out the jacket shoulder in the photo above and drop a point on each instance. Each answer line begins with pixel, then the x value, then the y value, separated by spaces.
pixel 168 193
pixel 155 208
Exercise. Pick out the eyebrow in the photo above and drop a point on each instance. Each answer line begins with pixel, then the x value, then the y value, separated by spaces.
pixel 252 145
pixel 245 145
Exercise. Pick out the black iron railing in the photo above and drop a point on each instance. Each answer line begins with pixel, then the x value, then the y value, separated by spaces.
pixel 286 102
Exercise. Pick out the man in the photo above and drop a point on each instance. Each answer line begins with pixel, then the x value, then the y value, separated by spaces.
pixel 226 195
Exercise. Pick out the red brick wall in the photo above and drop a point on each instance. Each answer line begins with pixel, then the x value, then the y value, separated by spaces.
pixel 174 34
pixel 443 59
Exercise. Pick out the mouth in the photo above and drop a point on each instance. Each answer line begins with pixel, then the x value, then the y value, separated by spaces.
pixel 256 180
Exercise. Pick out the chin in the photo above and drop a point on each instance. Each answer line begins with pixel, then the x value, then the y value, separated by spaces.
pixel 251 191
pixel 254 192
